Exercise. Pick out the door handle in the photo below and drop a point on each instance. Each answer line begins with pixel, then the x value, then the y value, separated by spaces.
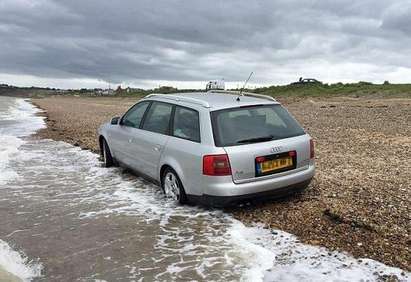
pixel 157 148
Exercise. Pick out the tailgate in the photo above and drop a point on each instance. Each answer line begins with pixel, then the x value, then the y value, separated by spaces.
pixel 246 160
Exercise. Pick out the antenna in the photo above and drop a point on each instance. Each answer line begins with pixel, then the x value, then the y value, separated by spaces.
pixel 245 83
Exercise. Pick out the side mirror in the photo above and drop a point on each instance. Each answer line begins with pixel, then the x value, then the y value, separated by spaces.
pixel 115 120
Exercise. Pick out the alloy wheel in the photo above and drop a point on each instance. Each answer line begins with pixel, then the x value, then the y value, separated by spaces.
pixel 171 186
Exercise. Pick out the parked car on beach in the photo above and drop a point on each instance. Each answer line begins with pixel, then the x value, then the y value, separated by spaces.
pixel 216 148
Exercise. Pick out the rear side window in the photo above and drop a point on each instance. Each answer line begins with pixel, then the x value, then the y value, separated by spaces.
pixel 238 126
pixel 134 116
pixel 186 124
pixel 158 118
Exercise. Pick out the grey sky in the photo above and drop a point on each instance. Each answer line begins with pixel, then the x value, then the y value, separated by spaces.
pixel 142 43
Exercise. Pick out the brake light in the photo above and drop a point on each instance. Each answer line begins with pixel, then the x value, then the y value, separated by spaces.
pixel 216 165
pixel 311 149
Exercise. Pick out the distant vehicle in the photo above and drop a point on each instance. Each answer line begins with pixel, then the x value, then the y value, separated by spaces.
pixel 215 85
pixel 306 81
pixel 215 148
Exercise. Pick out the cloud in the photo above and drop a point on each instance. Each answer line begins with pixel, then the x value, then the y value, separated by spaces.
pixel 398 18
pixel 146 42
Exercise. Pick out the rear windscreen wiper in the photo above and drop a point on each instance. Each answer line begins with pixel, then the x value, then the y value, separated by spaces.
pixel 256 139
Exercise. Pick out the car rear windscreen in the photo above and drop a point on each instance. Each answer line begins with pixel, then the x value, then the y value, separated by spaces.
pixel 253 124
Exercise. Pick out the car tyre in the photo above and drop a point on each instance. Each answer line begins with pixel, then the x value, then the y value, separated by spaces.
pixel 172 186
pixel 106 154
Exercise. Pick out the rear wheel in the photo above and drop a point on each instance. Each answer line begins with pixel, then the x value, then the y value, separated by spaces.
pixel 172 187
pixel 106 154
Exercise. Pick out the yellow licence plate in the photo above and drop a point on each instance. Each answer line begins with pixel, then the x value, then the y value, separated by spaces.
pixel 276 164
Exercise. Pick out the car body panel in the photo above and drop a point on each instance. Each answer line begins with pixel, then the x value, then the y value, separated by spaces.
pixel 122 144
pixel 216 101
pixel 148 148
pixel 185 157
pixel 226 187
pixel 242 158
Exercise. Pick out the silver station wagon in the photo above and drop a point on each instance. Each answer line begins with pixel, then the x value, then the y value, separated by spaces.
pixel 215 147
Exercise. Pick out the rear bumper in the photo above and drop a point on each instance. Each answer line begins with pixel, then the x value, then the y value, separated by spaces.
pixel 226 187
pixel 227 192
pixel 224 201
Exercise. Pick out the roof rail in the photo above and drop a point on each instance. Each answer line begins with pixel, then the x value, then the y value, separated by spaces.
pixel 181 98
pixel 266 97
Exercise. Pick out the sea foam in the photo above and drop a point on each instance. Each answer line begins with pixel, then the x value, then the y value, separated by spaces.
pixel 18 264
pixel 17 121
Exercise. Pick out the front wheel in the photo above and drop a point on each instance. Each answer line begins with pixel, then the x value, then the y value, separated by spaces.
pixel 106 154
pixel 172 187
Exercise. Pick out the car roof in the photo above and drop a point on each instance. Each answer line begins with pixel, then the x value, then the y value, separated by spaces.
pixel 215 100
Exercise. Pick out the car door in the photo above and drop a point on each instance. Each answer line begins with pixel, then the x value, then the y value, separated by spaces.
pixel 123 135
pixel 155 133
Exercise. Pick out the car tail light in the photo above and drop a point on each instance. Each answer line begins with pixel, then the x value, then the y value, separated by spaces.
pixel 260 159
pixel 311 149
pixel 216 165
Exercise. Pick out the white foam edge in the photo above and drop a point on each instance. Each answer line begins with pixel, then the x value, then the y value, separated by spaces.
pixel 18 264
pixel 274 255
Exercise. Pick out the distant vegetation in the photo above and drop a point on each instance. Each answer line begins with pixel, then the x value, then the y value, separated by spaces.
pixel 338 89
pixel 310 89
pixel 25 91
pixel 298 90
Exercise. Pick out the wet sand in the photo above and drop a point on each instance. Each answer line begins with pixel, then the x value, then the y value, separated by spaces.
pixel 359 201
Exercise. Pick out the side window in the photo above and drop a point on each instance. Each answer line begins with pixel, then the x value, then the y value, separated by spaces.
pixel 134 116
pixel 186 124
pixel 158 118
